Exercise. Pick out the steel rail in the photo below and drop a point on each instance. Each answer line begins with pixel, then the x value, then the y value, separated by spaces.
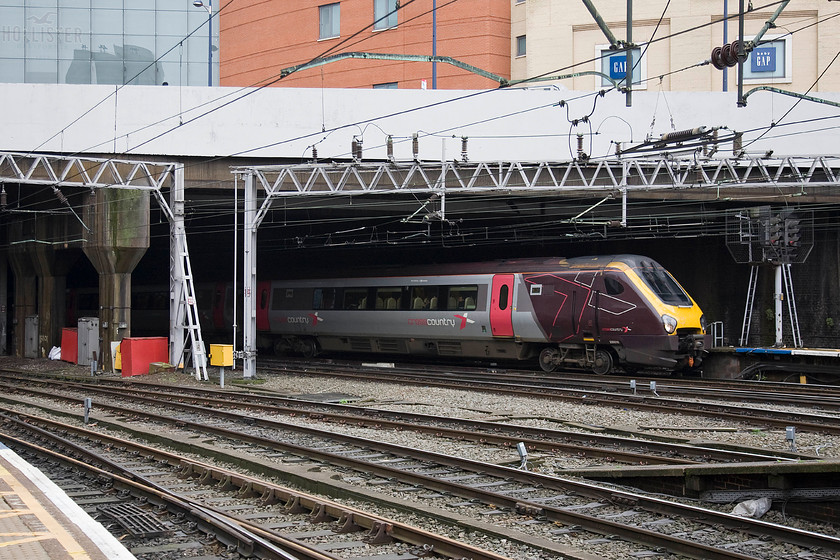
pixel 751 526
pixel 805 422
pixel 270 492
pixel 247 543
pixel 506 435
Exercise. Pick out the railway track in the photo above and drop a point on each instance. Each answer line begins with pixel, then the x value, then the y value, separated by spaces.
pixel 683 398
pixel 557 509
pixel 228 510
pixel 609 449
pixel 726 390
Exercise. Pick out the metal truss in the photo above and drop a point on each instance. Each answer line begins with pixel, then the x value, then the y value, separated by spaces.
pixel 619 175
pixel 71 171
pixel 664 173
pixel 58 171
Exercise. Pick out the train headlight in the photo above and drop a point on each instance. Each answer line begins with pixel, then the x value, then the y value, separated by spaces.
pixel 703 323
pixel 669 323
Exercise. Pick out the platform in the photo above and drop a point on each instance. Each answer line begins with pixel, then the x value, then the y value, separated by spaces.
pixel 808 364
pixel 38 521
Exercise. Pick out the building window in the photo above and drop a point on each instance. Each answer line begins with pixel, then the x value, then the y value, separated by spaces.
pixel 385 14
pixel 329 18
pixel 614 64
pixel 520 46
pixel 769 62
pixel 106 42
pixel 386 85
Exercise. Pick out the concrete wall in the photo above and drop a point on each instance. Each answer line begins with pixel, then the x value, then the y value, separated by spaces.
pixel 509 124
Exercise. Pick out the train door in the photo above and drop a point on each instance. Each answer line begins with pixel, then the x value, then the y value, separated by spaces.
pixel 263 297
pixel 501 305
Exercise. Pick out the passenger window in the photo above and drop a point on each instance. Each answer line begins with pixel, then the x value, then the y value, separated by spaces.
pixel 613 286
pixel 462 298
pixel 503 297
pixel 355 298
pixel 323 298
pixel 388 298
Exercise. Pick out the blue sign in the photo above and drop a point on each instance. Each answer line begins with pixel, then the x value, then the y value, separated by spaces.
pixel 618 67
pixel 764 60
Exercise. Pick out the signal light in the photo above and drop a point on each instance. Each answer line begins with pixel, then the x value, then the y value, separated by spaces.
pixel 775 230
pixel 792 234
pixel 727 55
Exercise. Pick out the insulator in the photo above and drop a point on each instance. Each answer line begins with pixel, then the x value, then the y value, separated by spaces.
pixel 4 201
pixel 463 148
pixel 357 148
pixel 60 195
pixel 389 146
pixel 738 143
pixel 314 152
pixel 415 145
pixel 682 134
pixel 716 58
pixel 734 48
pixel 727 55
pixel 580 144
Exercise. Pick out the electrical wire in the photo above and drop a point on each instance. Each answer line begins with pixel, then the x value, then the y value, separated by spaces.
pixel 357 124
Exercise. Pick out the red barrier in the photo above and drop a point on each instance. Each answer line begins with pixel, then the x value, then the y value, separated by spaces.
pixel 137 353
pixel 70 345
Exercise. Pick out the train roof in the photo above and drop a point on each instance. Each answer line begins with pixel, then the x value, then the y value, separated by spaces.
pixel 596 262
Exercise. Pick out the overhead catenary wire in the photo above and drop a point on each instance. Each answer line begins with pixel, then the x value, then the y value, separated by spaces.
pixel 360 123
pixel 277 78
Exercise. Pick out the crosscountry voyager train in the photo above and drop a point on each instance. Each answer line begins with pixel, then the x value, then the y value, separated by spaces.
pixel 599 313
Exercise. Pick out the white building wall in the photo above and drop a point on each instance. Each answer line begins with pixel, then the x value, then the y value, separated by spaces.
pixel 501 125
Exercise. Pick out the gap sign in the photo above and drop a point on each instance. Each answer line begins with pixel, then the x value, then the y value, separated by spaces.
pixel 764 60
pixel 618 67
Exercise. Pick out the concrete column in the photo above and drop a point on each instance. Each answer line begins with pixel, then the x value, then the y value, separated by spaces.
pixel 40 259
pixel 26 298
pixel 52 259
pixel 119 223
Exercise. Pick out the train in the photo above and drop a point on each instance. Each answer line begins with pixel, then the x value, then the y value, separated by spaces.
pixel 604 314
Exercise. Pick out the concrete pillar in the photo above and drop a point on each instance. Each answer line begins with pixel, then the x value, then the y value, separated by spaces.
pixel 26 298
pixel 119 223
pixel 52 258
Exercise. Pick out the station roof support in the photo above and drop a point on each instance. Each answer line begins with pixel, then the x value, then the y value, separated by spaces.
pixel 664 173
pixel 60 171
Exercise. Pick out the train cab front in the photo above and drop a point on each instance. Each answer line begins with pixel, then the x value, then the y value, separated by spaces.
pixel 683 342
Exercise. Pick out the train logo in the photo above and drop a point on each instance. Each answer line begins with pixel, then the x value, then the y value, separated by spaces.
pixel 310 319
pixel 445 322
pixel 464 320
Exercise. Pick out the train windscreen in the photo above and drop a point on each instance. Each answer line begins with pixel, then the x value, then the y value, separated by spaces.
pixel 662 284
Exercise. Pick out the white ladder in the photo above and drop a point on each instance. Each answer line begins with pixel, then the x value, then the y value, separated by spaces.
pixel 187 314
pixel 745 327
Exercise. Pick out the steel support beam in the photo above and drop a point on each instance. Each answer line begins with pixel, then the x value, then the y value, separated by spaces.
pixel 249 278
pixel 667 174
